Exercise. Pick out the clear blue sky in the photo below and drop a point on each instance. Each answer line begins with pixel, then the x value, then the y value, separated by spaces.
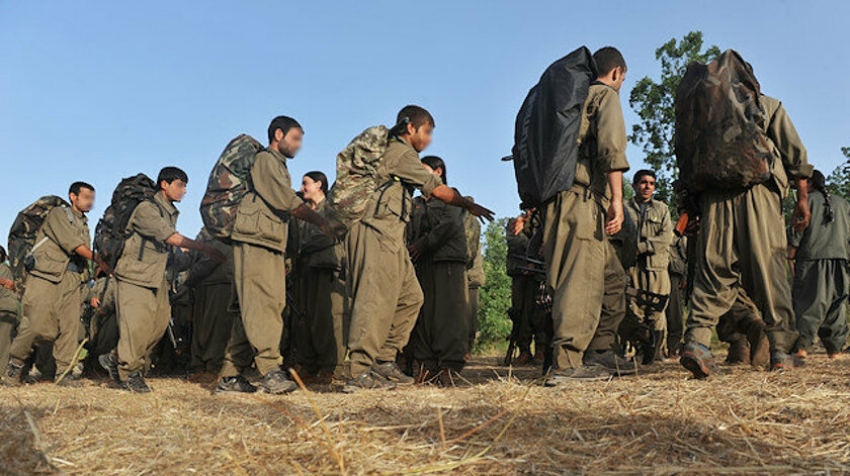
pixel 97 91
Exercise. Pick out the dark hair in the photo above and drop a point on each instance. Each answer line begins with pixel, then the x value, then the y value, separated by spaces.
pixel 170 174
pixel 436 163
pixel 641 174
pixel 317 176
pixel 818 182
pixel 76 187
pixel 607 59
pixel 415 115
pixel 284 123
pixel 3 254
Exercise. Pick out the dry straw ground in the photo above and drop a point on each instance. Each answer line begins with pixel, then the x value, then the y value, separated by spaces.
pixel 660 422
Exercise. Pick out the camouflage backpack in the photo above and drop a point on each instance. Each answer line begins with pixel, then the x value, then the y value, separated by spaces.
pixel 229 182
pixel 720 126
pixel 111 231
pixel 356 174
pixel 23 232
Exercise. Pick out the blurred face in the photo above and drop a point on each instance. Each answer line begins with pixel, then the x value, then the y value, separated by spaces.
pixel 419 138
pixel 84 201
pixel 312 190
pixel 174 191
pixel 645 187
pixel 289 144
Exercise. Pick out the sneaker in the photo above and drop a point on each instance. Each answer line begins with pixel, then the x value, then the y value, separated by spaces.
pixel 391 372
pixel 276 383
pixel 739 353
pixel 367 381
pixel 780 361
pixel 759 345
pixel 698 359
pixel 583 373
pixel 110 363
pixel 136 383
pixel 13 374
pixel 611 362
pixel 237 384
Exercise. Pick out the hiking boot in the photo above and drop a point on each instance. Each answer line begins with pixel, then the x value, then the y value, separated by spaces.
pixel 583 373
pixel 759 345
pixel 237 384
pixel 276 383
pixel 739 353
pixel 698 359
pixel 524 358
pixel 780 361
pixel 136 383
pixel 110 363
pixel 13 374
pixel 390 371
pixel 609 361
pixel 367 381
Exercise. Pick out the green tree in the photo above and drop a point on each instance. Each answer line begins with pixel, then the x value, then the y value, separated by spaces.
pixel 839 180
pixel 653 101
pixel 493 322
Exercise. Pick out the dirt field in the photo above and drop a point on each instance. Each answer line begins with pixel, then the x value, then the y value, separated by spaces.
pixel 660 422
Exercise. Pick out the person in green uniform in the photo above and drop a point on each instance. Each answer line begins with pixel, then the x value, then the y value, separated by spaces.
pixel 9 305
pixel 577 221
pixel 212 315
pixel 821 279
pixel 528 318
pixel 654 235
pixel 259 263
pixel 439 250
pixel 54 287
pixel 386 294
pixel 141 288
pixel 741 250
pixel 323 331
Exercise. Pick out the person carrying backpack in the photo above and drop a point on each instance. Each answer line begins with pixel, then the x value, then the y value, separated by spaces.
pixel 737 183
pixel 259 238
pixel 56 268
pixel 386 294
pixel 141 288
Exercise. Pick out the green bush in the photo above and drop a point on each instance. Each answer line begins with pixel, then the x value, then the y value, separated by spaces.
pixel 494 325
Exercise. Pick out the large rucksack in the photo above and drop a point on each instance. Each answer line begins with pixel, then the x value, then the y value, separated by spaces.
pixel 356 174
pixel 229 182
pixel 23 232
pixel 720 135
pixel 111 232
pixel 546 148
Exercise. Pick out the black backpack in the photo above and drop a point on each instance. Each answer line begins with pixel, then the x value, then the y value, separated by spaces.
pixel 546 149
pixel 111 231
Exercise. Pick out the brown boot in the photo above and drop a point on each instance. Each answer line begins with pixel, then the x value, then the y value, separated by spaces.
pixel 739 353
pixel 539 357
pixel 524 358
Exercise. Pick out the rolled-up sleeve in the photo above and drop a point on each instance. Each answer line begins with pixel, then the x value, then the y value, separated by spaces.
pixel 611 139
pixel 784 135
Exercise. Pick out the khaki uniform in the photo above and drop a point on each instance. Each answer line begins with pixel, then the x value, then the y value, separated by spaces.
pixel 441 335
pixel 212 315
pixel 741 245
pixel 655 233
pixel 54 289
pixel 821 278
pixel 386 294
pixel 323 331
pixel 678 270
pixel 260 236
pixel 575 247
pixel 141 288
pixel 9 307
